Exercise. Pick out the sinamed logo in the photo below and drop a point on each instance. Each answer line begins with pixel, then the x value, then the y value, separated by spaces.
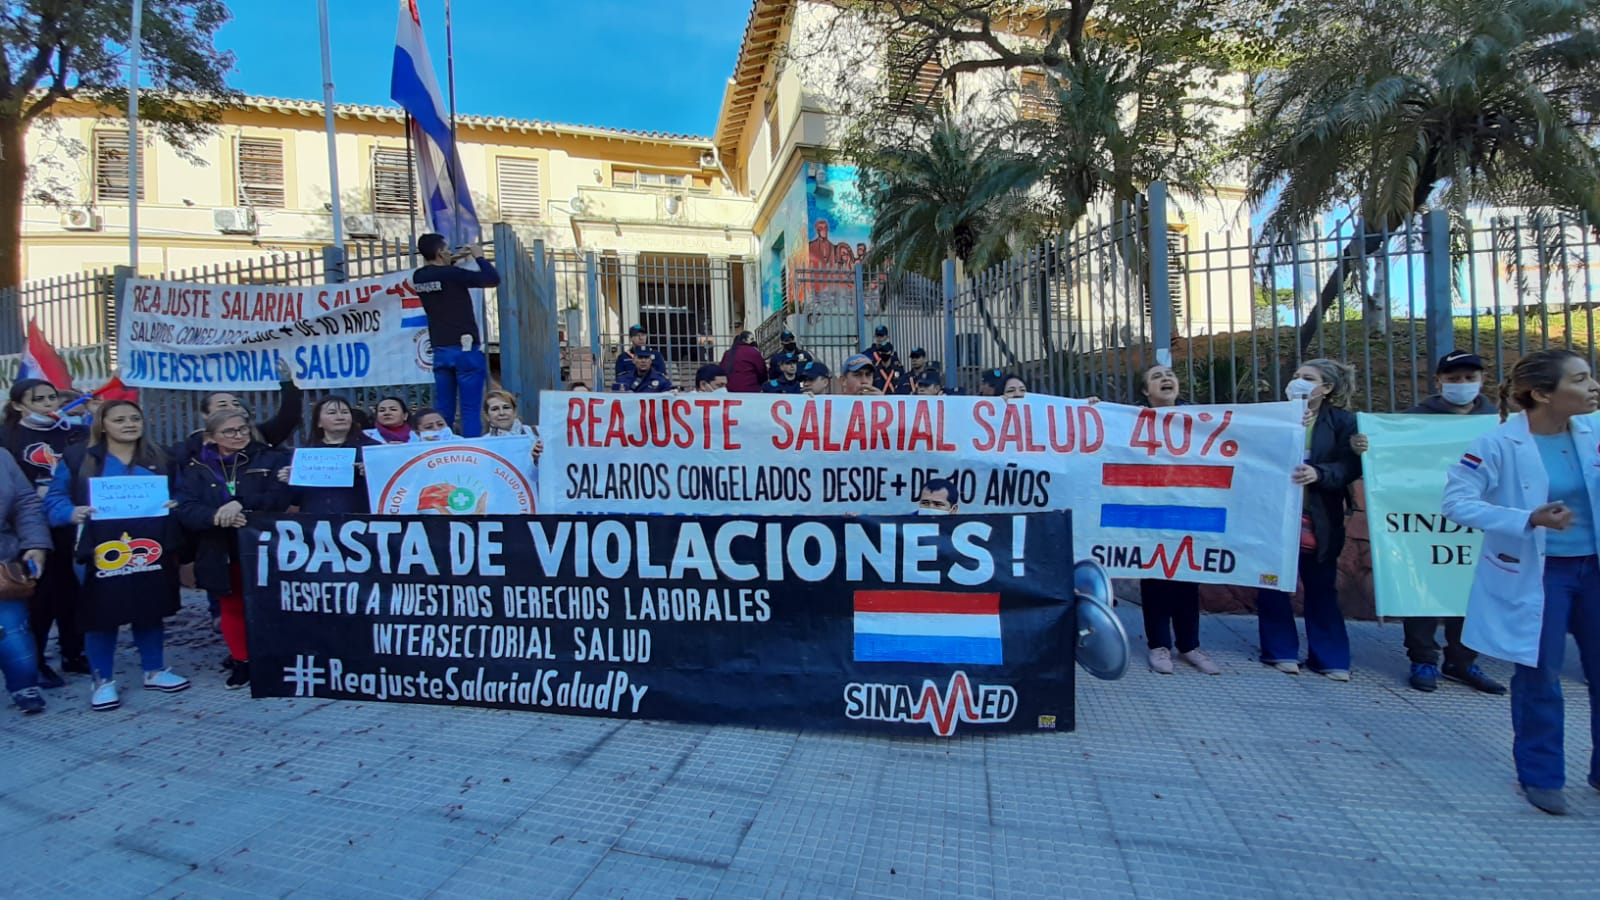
pixel 985 704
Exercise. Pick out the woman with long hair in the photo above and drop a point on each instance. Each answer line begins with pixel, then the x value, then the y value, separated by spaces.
pixel 333 425
pixel 117 448
pixel 746 367
pixel 233 476
pixel 38 438
pixel 1171 608
pixel 391 422
pixel 1532 486
pixel 1331 466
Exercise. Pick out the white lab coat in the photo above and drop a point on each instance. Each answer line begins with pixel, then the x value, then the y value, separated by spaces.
pixel 1505 610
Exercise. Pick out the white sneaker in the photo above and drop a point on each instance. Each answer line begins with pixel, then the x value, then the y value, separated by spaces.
pixel 164 680
pixel 105 696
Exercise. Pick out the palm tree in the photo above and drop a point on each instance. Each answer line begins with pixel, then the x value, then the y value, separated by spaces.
pixel 949 194
pixel 1387 108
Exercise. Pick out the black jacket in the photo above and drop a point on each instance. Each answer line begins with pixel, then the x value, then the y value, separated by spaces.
pixel 352 500
pixel 1437 405
pixel 1338 467
pixel 201 493
pixel 275 431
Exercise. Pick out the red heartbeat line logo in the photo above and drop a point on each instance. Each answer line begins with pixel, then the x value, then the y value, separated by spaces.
pixel 942 711
pixel 1170 564
pixel 957 699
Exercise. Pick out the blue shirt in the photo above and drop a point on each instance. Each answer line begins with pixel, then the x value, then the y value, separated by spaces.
pixel 1561 464
pixel 58 504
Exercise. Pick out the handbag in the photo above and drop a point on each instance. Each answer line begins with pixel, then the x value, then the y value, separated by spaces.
pixel 15 582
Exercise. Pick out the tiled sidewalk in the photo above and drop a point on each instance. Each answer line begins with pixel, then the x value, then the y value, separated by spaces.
pixel 1251 784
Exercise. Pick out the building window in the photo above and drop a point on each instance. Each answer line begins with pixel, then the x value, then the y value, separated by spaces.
pixel 773 143
pixel 393 190
pixel 1034 96
pixel 517 182
pixel 258 172
pixel 916 75
pixel 111 168
pixel 674 181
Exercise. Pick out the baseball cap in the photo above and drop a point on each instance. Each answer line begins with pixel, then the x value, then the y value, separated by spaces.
pixel 928 379
pixel 635 329
pixel 881 331
pixel 1458 359
pixel 706 373
pixel 813 370
pixel 857 362
pixel 918 353
pixel 786 338
pixel 786 358
pixel 640 352
pixel 994 377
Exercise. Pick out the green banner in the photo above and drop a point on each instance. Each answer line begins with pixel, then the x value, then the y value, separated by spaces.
pixel 1421 562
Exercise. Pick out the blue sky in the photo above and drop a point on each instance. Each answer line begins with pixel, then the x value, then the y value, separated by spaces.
pixel 651 65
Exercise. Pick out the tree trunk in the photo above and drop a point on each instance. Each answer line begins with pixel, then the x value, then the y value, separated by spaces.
pixel 1363 245
pixel 13 178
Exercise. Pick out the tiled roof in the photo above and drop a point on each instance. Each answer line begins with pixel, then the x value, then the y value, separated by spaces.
pixel 500 123
pixel 762 34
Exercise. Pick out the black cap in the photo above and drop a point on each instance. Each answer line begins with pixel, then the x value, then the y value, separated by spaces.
pixel 918 353
pixel 994 377
pixel 707 373
pixel 813 370
pixel 1458 359
pixel 787 337
pixel 881 331
pixel 641 353
pixel 927 379
pixel 635 329
pixel 785 359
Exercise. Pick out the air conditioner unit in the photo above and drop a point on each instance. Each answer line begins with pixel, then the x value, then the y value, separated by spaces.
pixel 234 220
pixel 79 218
pixel 708 159
pixel 361 227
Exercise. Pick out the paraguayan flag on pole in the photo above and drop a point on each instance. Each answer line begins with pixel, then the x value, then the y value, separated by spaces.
pixel 414 87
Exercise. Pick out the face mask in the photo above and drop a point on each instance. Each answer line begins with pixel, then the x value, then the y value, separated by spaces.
pixel 1460 394
pixel 926 511
pixel 440 435
pixel 1299 389
pixel 39 420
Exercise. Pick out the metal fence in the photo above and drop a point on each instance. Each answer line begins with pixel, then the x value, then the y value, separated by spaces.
pixel 77 314
pixel 1086 313
pixel 690 307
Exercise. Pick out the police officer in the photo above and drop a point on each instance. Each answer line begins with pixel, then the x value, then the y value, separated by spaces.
pixel 639 339
pixel 711 379
pixel 791 347
pixel 888 376
pixel 920 364
pixel 644 379
pixel 815 380
pixel 787 381
pixel 881 347
pixel 928 385
pixel 992 383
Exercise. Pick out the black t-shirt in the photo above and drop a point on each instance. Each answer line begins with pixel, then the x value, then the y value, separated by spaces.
pixel 446 299
pixel 38 451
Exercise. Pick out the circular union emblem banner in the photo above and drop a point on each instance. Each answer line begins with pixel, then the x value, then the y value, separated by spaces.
pixel 454 480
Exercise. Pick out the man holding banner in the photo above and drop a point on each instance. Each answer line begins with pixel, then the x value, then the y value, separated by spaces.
pixel 459 365
pixel 1460 378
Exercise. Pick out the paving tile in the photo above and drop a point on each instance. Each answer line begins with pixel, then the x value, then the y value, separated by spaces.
pixel 624 875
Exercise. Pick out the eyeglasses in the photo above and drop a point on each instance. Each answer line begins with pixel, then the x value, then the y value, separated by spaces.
pixel 234 432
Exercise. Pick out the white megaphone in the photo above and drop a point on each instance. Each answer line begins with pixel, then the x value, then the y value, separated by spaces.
pixel 1102 641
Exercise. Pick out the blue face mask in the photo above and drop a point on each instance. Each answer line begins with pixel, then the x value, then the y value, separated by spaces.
pixel 1460 394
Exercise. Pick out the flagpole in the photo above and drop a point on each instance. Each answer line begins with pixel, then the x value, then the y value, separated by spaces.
pixel 450 77
pixel 134 39
pixel 411 183
pixel 327 115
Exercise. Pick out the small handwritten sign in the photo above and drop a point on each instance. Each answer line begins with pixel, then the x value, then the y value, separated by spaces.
pixel 323 467
pixel 128 497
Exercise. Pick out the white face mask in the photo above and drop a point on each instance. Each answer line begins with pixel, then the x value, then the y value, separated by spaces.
pixel 1299 389
pixel 1460 394
pixel 927 511
pixel 440 435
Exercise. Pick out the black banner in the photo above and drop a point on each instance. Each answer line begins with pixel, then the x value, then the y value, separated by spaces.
pixel 891 624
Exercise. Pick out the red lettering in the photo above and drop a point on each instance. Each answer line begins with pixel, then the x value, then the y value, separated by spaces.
pixel 882 416
pixel 980 410
pixel 575 422
pixel 1086 415
pixel 729 407
pixel 617 428
pixel 1170 565
pixel 1144 433
pixel 781 409
pixel 681 411
pixel 856 430
pixel 1056 442
pixel 921 428
pixel 808 426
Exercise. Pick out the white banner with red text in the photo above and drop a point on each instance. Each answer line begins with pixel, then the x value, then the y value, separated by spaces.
pixel 1193 493
pixel 183 335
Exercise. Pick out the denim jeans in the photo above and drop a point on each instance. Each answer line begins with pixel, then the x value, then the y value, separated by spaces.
pixel 1327 642
pixel 460 375
pixel 102 649
pixel 1571 604
pixel 19 658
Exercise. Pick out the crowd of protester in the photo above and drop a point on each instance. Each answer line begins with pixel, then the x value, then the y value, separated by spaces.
pixel 1528 485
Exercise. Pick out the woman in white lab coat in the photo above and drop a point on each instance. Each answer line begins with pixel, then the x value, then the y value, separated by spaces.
pixel 1532 486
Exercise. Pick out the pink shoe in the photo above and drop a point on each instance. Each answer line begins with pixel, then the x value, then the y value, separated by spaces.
pixel 1201 661
pixel 1161 660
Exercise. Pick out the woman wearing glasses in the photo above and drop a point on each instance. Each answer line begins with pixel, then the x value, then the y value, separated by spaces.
pixel 233 476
